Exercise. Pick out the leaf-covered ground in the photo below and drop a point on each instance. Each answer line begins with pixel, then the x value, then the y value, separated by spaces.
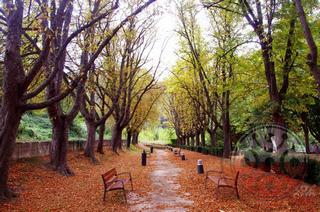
pixel 43 190
pixel 259 191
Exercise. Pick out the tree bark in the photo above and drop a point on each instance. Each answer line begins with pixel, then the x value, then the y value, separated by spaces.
pixel 188 141
pixel 198 139
pixel 192 140
pixel 129 137
pixel 116 139
pixel 306 137
pixel 59 146
pixel 226 124
pixel 135 138
pixel 10 120
pixel 313 55
pixel 101 138
pixel 91 140
pixel 184 140
pixel 213 136
pixel 203 138
pixel 305 131
pixel 13 77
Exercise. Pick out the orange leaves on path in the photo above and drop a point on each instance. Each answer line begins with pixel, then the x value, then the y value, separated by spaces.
pixel 41 189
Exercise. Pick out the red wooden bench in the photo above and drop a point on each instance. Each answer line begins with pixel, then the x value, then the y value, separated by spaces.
pixel 112 182
pixel 222 181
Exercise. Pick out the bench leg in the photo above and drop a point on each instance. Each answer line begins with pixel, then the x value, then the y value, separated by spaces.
pixel 216 189
pixel 237 193
pixel 125 197
pixel 205 183
pixel 104 195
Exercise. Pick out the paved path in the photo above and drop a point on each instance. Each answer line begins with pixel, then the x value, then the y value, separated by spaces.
pixel 164 195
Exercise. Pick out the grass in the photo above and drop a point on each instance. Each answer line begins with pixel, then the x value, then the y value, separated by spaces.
pixel 157 135
pixel 37 127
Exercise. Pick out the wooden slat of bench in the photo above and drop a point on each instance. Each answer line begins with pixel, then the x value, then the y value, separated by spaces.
pixel 115 186
pixel 214 178
pixel 223 181
pixel 109 175
pixel 112 182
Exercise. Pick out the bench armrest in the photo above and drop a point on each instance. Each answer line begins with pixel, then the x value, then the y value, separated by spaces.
pixel 213 171
pixel 128 173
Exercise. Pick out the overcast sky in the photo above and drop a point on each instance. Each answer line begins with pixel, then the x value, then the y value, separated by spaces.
pixel 167 37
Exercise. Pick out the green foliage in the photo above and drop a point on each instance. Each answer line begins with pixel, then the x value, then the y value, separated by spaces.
pixel 313 172
pixel 157 135
pixel 37 127
pixel 216 151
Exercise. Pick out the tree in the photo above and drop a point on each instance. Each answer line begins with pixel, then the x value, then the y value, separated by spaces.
pixel 19 75
pixel 147 112
pixel 61 120
pixel 261 16
pixel 312 59
pixel 131 72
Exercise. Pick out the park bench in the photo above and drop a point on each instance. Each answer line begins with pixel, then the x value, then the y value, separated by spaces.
pixel 111 182
pixel 222 181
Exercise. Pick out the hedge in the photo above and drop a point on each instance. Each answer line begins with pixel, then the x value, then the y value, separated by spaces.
pixel 216 151
pixel 298 166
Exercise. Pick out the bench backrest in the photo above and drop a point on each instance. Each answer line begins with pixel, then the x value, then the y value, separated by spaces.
pixel 109 175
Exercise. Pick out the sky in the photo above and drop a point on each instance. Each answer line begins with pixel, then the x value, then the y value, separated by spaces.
pixel 166 39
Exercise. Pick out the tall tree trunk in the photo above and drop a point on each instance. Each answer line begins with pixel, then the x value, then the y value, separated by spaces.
pixel 192 140
pixel 129 136
pixel 59 146
pixel 197 139
pixel 101 138
pixel 116 139
pixel 10 120
pixel 203 137
pixel 13 77
pixel 184 140
pixel 213 136
pixel 135 138
pixel 313 55
pixel 91 140
pixel 306 137
pixel 305 131
pixel 188 141
pixel 226 125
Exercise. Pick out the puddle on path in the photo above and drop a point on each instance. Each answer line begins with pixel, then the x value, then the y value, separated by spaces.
pixel 164 195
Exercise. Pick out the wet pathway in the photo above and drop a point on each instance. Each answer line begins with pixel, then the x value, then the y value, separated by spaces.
pixel 164 195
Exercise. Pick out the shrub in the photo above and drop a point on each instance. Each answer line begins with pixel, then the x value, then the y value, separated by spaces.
pixel 174 142
pixel 216 151
pixel 205 150
pixel 313 172
pixel 251 158
pixel 268 164
pixel 199 149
